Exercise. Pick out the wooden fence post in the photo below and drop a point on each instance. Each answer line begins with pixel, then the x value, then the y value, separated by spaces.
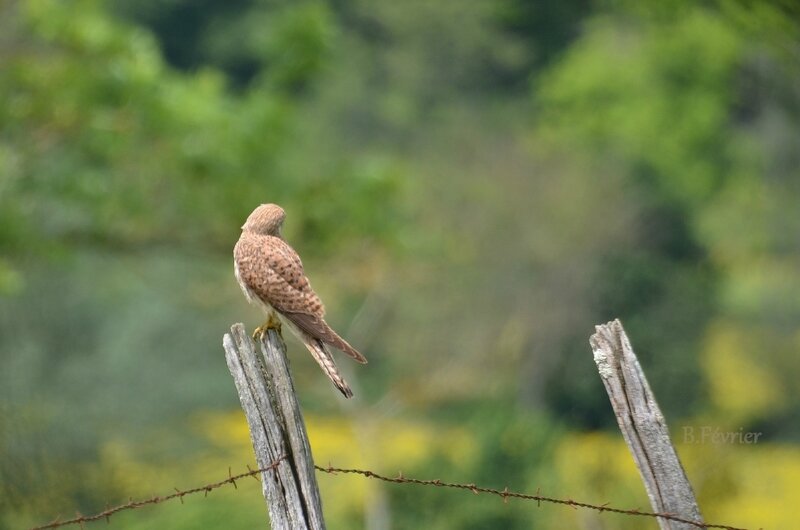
pixel 643 427
pixel 277 429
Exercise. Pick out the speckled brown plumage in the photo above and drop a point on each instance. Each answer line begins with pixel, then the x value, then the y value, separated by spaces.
pixel 271 274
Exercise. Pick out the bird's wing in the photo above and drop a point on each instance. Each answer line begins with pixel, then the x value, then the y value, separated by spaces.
pixel 317 327
pixel 288 290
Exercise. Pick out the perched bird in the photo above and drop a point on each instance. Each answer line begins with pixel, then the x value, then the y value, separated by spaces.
pixel 271 275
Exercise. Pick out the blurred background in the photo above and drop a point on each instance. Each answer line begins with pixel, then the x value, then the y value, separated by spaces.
pixel 472 186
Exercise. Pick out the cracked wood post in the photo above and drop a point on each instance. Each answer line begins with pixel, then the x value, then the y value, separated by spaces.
pixel 643 427
pixel 277 430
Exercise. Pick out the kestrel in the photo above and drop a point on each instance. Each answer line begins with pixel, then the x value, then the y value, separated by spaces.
pixel 271 275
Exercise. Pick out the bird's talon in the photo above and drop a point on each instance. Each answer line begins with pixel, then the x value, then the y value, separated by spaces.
pixel 259 332
pixel 273 322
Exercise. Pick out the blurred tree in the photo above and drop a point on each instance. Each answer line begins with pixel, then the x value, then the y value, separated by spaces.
pixel 287 42
pixel 661 97
pixel 549 28
pixel 481 44
pixel 107 146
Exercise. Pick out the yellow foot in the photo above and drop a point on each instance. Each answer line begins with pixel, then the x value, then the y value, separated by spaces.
pixel 259 332
pixel 273 322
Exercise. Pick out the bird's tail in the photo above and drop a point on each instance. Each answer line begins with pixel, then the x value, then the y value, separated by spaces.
pixel 324 358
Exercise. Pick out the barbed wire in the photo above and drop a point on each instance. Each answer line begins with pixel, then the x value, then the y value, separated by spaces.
pixel 179 494
pixel 505 494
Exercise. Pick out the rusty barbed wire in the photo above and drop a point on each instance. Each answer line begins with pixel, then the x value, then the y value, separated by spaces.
pixel 505 494
pixel 179 494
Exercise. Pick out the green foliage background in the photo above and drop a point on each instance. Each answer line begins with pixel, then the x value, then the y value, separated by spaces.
pixel 472 185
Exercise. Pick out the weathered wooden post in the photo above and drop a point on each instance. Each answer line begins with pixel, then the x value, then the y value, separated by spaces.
pixel 277 429
pixel 643 427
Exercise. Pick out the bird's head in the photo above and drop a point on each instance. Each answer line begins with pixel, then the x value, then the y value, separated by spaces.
pixel 266 220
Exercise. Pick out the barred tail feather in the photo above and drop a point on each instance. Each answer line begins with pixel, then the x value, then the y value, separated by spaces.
pixel 325 360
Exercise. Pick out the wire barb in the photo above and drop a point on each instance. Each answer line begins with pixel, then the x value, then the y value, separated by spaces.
pixel 232 479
